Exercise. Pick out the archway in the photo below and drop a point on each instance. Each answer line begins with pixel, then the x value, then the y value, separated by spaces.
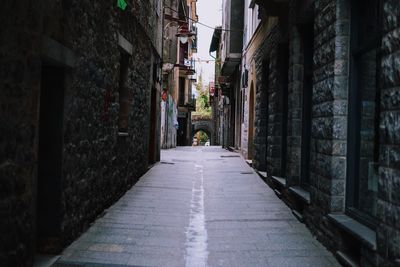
pixel 201 137
pixel 251 123
pixel 205 126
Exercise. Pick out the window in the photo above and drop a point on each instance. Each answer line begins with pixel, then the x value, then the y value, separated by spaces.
pixel 183 53
pixel 181 91
pixel 283 67
pixel 364 95
pixel 255 18
pixel 243 100
pixel 245 36
pixel 50 154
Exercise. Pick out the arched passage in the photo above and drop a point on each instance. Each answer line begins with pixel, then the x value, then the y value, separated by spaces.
pixel 205 126
pixel 202 136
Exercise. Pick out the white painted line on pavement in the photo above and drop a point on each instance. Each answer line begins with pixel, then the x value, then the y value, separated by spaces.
pixel 196 234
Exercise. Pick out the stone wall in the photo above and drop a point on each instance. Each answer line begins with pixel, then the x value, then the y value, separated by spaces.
pixel 295 89
pixel 329 118
pixel 19 91
pixel 261 114
pixel 329 126
pixel 329 122
pixel 268 108
pixel 274 129
pixel 388 231
pixel 98 165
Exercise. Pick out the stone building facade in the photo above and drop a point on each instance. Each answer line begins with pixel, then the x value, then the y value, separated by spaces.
pixel 169 108
pixel 326 126
pixel 228 82
pixel 216 96
pixel 180 42
pixel 79 102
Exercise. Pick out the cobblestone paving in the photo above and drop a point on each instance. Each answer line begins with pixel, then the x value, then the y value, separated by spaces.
pixel 198 207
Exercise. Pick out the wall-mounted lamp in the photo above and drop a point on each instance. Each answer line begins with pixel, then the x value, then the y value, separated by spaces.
pixel 184 33
pixel 183 39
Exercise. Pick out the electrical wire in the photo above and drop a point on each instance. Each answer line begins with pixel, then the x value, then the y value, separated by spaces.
pixel 205 25
pixel 205 60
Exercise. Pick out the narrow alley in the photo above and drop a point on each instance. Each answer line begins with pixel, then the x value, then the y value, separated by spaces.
pixel 200 133
pixel 198 207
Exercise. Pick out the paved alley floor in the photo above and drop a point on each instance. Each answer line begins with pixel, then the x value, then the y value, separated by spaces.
pixel 200 206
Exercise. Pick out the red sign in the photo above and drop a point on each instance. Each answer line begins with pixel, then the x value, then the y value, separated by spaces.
pixel 164 95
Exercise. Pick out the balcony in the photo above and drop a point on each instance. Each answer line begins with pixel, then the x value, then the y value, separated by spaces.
pixel 231 52
pixel 187 65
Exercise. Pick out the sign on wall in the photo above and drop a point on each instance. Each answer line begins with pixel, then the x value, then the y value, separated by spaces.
pixel 121 4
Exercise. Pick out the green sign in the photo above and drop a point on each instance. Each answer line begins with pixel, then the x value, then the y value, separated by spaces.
pixel 121 4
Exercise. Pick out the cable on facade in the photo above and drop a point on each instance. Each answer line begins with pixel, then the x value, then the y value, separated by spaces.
pixel 205 25
pixel 205 60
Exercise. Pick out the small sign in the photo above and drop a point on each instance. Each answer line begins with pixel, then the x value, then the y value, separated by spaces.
pixel 187 62
pixel 164 96
pixel 121 4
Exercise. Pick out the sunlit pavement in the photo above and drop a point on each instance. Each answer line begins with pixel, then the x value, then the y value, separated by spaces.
pixel 200 206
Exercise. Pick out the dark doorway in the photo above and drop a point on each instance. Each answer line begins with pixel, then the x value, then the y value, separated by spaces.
pixel 251 122
pixel 232 100
pixel 153 127
pixel 283 66
pixel 49 184
pixel 182 88
pixel 307 41
pixel 265 92
pixel 182 132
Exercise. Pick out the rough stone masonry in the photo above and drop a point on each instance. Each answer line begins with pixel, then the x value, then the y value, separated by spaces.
pixel 77 40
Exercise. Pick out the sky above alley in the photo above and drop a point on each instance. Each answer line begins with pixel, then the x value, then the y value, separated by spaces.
pixel 210 13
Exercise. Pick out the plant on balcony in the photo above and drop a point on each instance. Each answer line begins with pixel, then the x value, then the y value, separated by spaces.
pixel 203 110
